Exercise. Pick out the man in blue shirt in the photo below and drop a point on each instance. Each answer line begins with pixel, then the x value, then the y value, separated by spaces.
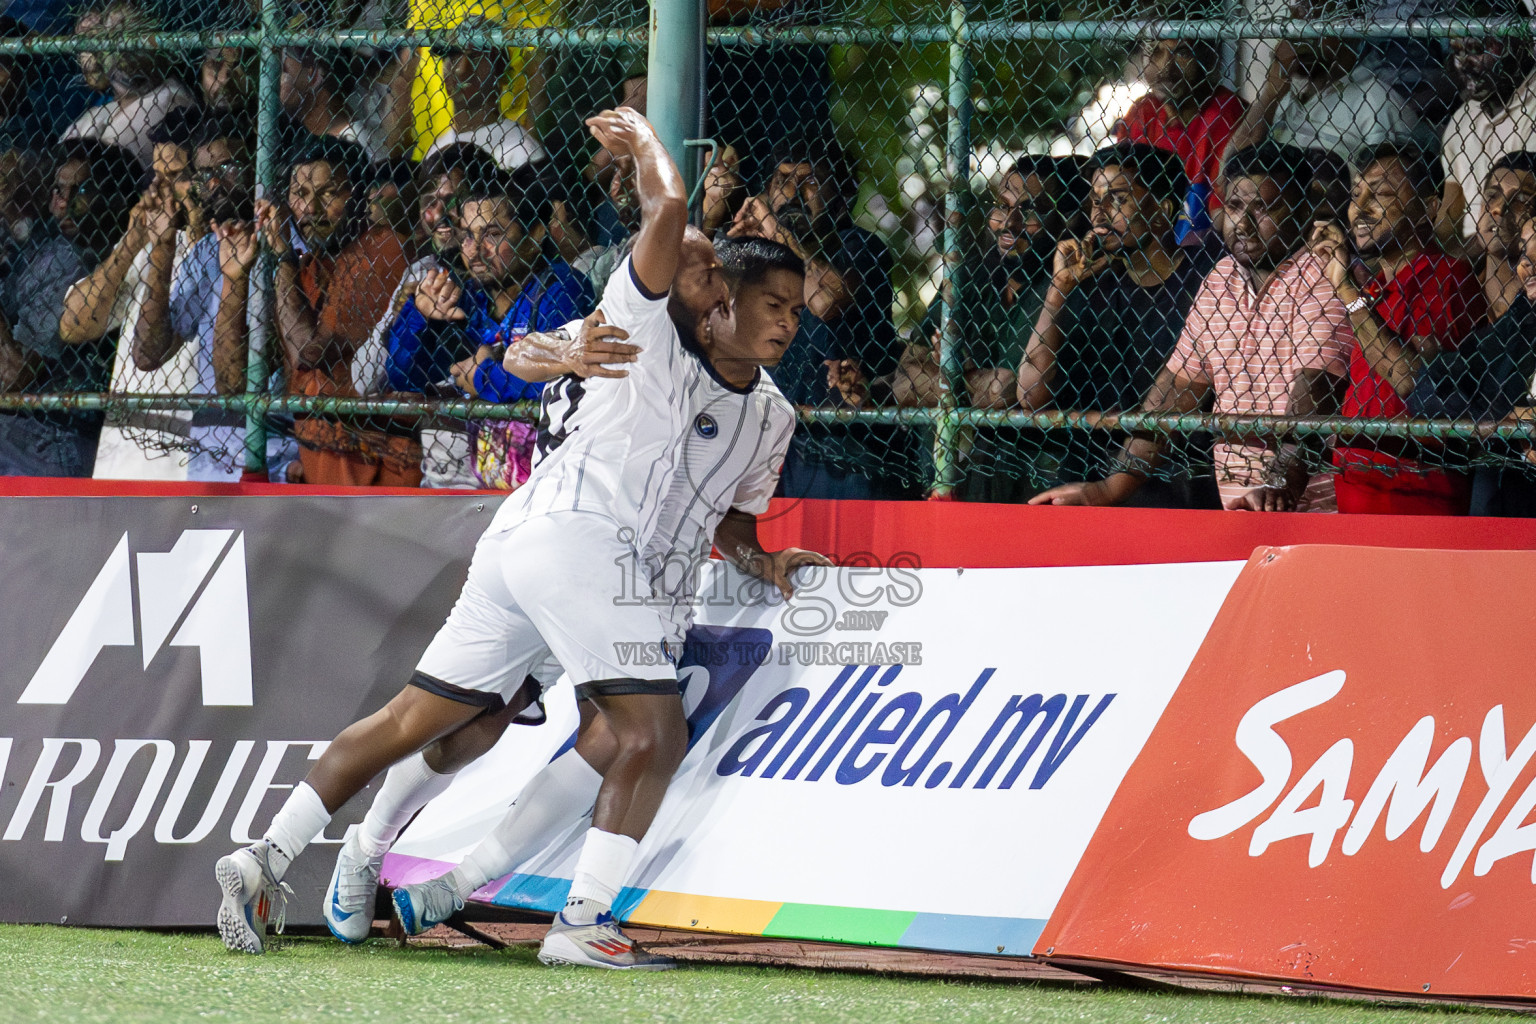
pixel 455 325
pixel 202 300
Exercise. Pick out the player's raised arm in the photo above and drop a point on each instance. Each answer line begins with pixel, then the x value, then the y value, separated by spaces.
pixel 663 200
pixel 586 348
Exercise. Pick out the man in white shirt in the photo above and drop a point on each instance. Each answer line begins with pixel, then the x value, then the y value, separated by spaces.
pixel 1318 96
pixel 141 446
pixel 473 79
pixel 197 308
pixel 141 94
pixel 1498 116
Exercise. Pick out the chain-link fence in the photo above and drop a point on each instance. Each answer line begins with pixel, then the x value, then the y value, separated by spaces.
pixel 1189 254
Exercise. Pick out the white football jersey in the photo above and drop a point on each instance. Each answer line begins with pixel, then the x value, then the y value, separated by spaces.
pixel 731 454
pixel 610 445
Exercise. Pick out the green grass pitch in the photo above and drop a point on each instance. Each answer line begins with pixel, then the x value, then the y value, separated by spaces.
pixel 124 977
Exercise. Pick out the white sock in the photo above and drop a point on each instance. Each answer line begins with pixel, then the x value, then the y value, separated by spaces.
pixel 302 817
pixel 407 788
pixel 600 873
pixel 562 793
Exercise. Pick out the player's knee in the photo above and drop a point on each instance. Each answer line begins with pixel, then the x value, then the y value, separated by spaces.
pixel 650 741
pixel 657 744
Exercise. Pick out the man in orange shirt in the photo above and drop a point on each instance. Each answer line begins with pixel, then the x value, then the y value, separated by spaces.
pixel 334 280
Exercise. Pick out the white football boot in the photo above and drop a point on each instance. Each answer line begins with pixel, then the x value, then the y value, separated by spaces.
pixel 254 900
pixel 350 898
pixel 600 944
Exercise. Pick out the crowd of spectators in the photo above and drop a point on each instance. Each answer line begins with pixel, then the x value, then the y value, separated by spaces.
pixel 1345 244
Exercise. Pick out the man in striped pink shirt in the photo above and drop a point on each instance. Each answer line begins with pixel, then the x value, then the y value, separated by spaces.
pixel 1266 335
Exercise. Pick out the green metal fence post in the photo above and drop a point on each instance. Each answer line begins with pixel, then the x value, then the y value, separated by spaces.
pixel 675 79
pixel 957 207
pixel 261 315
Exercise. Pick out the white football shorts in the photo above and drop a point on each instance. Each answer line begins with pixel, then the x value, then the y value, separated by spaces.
pixel 548 595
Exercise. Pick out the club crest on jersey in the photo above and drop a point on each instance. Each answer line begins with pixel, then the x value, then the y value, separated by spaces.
pixel 705 425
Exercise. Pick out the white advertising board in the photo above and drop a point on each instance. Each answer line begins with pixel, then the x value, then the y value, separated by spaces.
pixel 899 756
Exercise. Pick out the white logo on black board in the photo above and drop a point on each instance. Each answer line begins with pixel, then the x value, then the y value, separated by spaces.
pixel 191 596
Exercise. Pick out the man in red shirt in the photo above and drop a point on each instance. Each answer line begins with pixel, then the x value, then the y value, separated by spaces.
pixel 1187 112
pixel 1418 303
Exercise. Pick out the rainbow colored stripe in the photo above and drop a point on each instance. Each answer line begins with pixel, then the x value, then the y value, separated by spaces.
pixel 955 933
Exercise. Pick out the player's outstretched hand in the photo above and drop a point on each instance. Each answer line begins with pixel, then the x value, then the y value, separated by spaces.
pixel 598 348
pixel 620 131
pixel 777 567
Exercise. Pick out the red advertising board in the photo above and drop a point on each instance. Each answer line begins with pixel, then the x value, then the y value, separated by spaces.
pixel 1339 791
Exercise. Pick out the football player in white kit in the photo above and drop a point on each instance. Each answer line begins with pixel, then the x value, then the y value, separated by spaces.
pixel 730 468
pixel 536 590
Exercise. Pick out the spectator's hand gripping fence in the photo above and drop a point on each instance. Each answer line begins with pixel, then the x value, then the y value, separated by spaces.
pixel 1031 265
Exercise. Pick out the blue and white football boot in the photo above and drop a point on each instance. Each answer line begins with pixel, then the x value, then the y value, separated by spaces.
pixel 425 904
pixel 349 899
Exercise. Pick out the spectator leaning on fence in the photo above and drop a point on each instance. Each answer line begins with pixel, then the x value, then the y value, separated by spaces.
pixel 450 330
pixel 1115 308
pixel 141 93
pixel 333 283
pixel 1265 335
pixel 1186 111
pixel 1497 116
pixel 200 305
pixel 1420 302
pixel 1317 94
pixel 1491 377
pixel 93 189
pixel 1036 202
pixel 475 78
